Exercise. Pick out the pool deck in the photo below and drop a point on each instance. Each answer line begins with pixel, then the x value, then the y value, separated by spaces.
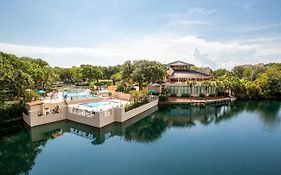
pixel 101 115
pixel 111 104
pixel 96 117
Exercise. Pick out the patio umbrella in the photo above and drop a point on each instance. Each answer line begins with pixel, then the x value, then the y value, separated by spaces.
pixel 152 91
pixel 40 92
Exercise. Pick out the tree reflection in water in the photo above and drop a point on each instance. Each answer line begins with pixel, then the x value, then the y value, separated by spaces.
pixel 20 150
pixel 151 128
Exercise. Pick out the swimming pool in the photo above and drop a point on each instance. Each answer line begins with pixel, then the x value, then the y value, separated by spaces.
pixel 77 95
pixel 105 104
pixel 97 104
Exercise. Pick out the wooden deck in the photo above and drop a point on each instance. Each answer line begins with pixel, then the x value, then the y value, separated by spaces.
pixel 197 100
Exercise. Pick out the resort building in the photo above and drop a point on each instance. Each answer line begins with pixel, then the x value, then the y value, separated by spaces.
pixel 185 79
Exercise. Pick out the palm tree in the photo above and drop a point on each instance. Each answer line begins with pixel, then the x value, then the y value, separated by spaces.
pixel 135 95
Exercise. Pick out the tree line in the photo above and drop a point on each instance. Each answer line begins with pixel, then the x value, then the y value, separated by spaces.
pixel 260 81
pixel 20 75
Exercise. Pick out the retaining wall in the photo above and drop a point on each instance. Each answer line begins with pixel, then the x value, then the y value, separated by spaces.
pixel 122 116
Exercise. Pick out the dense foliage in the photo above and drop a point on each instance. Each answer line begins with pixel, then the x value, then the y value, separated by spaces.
pixel 135 104
pixel 21 76
pixel 9 111
pixel 139 98
pixel 252 81
pixel 18 153
pixel 143 72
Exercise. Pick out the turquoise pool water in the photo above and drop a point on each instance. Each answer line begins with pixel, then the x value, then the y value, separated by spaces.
pixel 243 138
pixel 75 94
pixel 97 104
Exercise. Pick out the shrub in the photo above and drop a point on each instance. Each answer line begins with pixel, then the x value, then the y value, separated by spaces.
pixel 92 86
pixel 173 95
pixel 212 95
pixel 120 88
pixel 163 97
pixel 109 94
pixel 167 91
pixel 135 95
pixel 135 104
pixel 9 111
pixel 202 95
pixel 185 95
pixel 130 88
pixel 30 96
pixel 220 93
pixel 82 84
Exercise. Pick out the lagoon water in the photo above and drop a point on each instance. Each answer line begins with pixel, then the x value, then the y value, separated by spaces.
pixel 242 138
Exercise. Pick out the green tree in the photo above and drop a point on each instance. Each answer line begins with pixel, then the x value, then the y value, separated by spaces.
pixel 116 77
pixel 218 73
pixel 127 70
pixel 90 72
pixel 270 82
pixel 238 71
pixel 147 72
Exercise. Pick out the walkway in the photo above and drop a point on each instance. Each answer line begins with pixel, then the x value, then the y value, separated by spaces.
pixel 197 100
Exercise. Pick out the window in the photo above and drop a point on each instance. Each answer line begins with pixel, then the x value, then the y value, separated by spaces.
pixel 196 89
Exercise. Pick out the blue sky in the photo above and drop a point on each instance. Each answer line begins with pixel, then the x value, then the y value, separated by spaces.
pixel 216 33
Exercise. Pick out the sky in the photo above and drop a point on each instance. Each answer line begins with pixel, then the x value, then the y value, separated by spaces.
pixel 209 33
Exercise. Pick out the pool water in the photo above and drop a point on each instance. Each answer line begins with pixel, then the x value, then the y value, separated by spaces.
pixel 74 94
pixel 241 138
pixel 77 95
pixel 97 104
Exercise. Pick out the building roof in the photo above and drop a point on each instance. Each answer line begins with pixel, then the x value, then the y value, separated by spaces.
pixel 179 63
pixel 188 74
pixel 154 84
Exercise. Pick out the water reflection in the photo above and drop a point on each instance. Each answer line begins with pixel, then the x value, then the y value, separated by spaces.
pixel 18 151
pixel 152 127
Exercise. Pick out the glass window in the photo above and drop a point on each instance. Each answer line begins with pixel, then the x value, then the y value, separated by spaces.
pixel 196 89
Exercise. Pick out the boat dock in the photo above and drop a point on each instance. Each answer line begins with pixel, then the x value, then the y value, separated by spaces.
pixel 197 102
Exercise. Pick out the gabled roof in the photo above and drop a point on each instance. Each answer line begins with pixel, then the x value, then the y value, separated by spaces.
pixel 188 74
pixel 179 63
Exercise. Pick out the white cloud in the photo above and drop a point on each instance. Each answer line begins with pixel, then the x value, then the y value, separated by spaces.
pixel 259 27
pixel 200 11
pixel 245 4
pixel 182 22
pixel 161 47
pixel 191 13
pixel 190 20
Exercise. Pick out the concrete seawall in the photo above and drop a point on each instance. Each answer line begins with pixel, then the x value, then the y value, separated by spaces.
pixel 122 116
pixel 34 120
